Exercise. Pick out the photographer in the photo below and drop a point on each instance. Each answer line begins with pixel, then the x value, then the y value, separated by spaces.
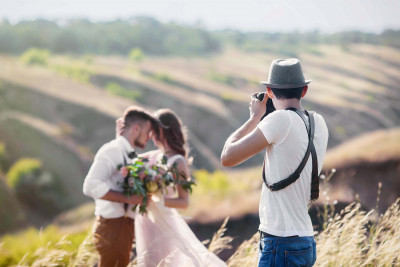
pixel 295 143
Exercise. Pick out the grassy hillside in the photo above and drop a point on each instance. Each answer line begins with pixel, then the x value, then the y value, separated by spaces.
pixel 378 146
pixel 367 168
pixel 218 87
pixel 63 111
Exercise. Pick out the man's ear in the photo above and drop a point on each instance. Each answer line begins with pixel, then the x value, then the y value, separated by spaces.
pixel 135 128
pixel 305 89
pixel 270 93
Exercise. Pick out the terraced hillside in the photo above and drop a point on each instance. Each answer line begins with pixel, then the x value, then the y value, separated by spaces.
pixel 63 112
pixel 355 89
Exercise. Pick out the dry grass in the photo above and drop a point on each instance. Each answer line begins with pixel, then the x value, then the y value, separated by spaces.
pixel 219 242
pixel 357 238
pixel 246 254
pixel 351 238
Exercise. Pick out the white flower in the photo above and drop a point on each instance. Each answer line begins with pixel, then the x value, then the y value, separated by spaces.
pixel 322 176
pixel 152 173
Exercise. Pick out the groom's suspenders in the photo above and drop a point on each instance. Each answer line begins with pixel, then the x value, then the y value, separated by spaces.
pixel 310 150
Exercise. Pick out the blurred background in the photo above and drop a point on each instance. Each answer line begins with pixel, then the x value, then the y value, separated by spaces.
pixel 68 69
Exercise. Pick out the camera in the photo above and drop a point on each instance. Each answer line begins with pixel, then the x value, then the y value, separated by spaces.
pixel 270 105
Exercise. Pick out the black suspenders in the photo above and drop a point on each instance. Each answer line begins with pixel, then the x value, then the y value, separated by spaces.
pixel 296 174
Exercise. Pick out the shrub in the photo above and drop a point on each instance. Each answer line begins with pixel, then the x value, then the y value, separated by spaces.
pixel 2 150
pixel 163 77
pixel 35 56
pixel 20 169
pixel 116 89
pixel 74 71
pixel 215 183
pixel 36 188
pixel 136 55
pixel 221 78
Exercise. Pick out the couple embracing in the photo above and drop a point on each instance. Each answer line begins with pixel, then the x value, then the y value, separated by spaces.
pixel 162 236
pixel 295 141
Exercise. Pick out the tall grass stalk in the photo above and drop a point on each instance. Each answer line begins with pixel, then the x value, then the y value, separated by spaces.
pixel 86 255
pixel 355 238
pixel 219 242
pixel 246 254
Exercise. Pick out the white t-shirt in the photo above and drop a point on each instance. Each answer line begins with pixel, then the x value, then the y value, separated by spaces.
pixel 285 212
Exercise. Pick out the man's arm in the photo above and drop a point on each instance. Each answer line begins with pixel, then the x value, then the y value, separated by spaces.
pixel 95 184
pixel 247 140
pixel 115 196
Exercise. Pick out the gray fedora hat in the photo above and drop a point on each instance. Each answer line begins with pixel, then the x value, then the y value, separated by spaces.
pixel 285 74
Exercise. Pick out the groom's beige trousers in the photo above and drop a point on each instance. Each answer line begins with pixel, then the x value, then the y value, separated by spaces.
pixel 113 239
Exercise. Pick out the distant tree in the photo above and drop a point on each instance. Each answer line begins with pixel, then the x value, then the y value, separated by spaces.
pixel 391 38
pixel 67 42
pixel 81 36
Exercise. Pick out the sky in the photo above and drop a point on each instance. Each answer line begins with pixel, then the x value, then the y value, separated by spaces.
pixel 246 15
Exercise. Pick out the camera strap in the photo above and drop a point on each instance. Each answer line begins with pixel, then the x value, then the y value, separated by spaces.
pixel 310 150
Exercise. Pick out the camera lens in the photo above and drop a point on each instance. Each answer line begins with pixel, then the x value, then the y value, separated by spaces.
pixel 260 96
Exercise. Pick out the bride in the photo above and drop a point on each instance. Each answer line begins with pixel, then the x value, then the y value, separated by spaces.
pixel 163 238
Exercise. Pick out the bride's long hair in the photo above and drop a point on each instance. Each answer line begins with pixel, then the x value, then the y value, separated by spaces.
pixel 173 130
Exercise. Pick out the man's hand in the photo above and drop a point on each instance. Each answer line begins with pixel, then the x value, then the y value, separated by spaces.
pixel 257 108
pixel 246 141
pixel 133 200
pixel 116 196
pixel 119 126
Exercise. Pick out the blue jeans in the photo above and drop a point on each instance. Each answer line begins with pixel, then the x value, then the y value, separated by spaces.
pixel 289 251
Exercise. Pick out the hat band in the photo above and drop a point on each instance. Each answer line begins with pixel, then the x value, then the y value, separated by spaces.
pixel 285 86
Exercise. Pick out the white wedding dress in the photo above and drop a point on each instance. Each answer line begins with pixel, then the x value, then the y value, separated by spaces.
pixel 163 238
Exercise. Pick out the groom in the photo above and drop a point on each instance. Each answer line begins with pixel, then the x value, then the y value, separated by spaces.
pixel 287 235
pixel 114 226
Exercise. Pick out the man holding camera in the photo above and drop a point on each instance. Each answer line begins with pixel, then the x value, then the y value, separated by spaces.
pixel 295 143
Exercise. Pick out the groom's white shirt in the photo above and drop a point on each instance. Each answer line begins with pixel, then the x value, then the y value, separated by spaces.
pixel 103 176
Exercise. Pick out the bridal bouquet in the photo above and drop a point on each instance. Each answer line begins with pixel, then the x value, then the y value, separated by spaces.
pixel 144 178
